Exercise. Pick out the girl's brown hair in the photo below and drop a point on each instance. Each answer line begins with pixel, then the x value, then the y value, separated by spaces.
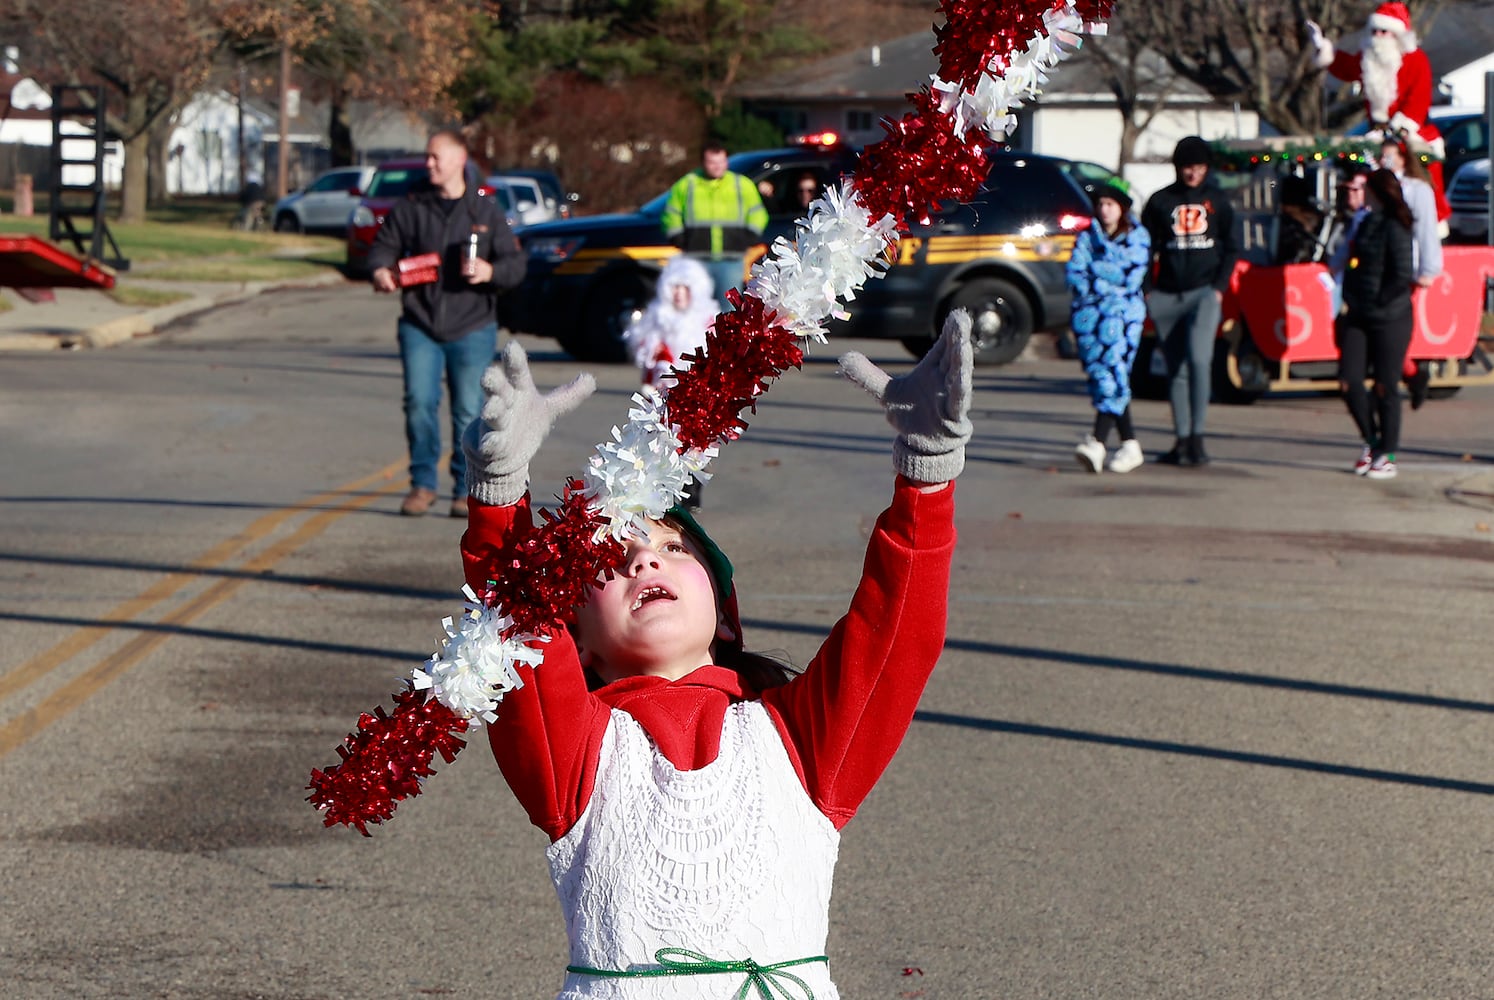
pixel 1386 188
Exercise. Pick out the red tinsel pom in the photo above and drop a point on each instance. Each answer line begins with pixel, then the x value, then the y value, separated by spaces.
pixel 743 351
pixel 979 36
pixel 385 759
pixel 920 163
pixel 550 572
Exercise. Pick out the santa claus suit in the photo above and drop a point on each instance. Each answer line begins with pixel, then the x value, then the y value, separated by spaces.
pixel 1398 102
pixel 665 333
pixel 699 814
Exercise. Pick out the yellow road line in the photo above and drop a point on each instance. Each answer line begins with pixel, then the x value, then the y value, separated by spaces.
pixel 36 667
pixel 88 683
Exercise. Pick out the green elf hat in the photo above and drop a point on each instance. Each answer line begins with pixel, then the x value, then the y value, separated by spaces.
pixel 716 562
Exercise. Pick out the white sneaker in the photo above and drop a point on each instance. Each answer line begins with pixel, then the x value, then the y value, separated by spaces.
pixel 1090 454
pixel 1127 457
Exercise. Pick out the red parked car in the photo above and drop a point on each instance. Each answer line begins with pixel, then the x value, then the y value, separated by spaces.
pixel 391 182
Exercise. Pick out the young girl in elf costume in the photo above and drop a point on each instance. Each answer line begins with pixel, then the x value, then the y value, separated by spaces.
pixel 675 322
pixel 693 793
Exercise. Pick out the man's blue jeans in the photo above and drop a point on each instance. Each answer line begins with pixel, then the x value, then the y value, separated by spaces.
pixel 726 274
pixel 425 359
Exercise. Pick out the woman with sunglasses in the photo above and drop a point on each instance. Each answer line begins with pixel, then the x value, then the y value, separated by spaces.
pixel 1374 330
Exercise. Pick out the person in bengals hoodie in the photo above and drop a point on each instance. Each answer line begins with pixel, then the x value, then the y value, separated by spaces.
pixel 1192 226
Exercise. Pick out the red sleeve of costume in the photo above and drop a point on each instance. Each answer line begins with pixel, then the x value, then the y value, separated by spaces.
pixel 1413 87
pixel 845 716
pixel 548 736
pixel 1345 65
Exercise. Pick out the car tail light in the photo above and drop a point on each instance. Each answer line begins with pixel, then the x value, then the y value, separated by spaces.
pixel 1071 223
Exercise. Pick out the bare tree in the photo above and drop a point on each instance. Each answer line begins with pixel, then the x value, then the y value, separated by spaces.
pixel 1139 78
pixel 150 54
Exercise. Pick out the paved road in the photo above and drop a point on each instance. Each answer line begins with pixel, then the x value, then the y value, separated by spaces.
pixel 1198 733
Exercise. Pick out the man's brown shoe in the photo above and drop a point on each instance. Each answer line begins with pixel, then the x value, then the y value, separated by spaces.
pixel 417 501
pixel 459 507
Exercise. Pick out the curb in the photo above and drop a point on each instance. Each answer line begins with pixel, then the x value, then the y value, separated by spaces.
pixel 142 324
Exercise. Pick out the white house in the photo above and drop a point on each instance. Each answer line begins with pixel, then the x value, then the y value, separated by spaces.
pixel 1460 45
pixel 202 152
pixel 1075 117
pixel 29 123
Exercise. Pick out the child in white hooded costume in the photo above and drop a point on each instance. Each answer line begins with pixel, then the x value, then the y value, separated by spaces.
pixel 675 322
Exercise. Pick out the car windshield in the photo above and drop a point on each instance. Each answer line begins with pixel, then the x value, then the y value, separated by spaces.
pixel 395 181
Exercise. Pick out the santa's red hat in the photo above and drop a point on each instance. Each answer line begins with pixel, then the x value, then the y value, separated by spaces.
pixel 1396 19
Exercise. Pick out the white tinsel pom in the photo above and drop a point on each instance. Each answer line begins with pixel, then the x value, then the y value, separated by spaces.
pixel 640 473
pixel 832 257
pixel 476 665
pixel 990 106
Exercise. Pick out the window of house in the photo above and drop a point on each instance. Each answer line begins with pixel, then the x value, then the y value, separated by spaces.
pixel 860 120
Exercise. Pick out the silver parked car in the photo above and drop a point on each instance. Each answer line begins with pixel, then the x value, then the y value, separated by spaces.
pixel 534 195
pixel 1468 195
pixel 324 205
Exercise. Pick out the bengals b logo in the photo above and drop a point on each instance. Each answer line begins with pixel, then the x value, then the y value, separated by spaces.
pixel 1190 220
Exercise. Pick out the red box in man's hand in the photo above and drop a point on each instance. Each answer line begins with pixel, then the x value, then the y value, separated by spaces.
pixel 421 270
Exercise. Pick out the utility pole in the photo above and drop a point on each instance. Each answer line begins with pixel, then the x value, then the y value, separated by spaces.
pixel 243 151
pixel 1489 121
pixel 283 166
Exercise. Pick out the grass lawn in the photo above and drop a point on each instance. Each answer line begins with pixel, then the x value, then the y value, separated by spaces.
pixel 5 304
pixel 149 242
pixel 134 295
pixel 245 268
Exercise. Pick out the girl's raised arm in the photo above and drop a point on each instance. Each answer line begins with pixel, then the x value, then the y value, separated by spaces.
pixel 845 717
pixel 547 731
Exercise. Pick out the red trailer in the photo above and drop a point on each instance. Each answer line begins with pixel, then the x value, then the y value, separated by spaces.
pixel 34 267
pixel 1277 328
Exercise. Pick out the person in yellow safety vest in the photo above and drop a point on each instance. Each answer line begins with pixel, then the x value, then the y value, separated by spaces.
pixel 715 215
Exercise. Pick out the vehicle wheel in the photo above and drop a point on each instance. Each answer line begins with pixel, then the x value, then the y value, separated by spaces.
pixel 1001 318
pixel 615 303
pixel 1441 368
pixel 918 346
pixel 1240 374
pixel 1148 382
pixel 285 222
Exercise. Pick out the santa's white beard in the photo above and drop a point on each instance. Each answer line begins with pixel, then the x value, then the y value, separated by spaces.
pixel 1379 66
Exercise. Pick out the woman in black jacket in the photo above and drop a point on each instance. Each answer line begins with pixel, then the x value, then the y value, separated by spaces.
pixel 1374 330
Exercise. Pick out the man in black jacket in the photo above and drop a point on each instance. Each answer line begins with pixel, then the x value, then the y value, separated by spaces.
pixel 1192 227
pixel 449 324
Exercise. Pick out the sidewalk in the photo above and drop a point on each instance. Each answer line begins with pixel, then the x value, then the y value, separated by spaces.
pixel 84 318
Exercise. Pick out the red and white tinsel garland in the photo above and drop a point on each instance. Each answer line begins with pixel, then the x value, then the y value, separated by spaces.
pixel 993 57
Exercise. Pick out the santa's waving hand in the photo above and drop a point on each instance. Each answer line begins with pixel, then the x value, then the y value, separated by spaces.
pixel 1396 77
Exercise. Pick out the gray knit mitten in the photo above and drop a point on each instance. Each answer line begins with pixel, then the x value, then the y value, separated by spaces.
pixel 929 407
pixel 515 419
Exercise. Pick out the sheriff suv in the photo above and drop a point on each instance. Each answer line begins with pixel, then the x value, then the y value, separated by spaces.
pixel 1001 256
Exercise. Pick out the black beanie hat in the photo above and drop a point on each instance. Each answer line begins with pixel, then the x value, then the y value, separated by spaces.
pixel 1191 151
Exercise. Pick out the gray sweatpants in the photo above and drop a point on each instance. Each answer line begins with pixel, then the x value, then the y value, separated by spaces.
pixel 1187 323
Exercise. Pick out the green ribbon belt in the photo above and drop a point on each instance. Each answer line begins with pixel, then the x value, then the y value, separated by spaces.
pixel 770 982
